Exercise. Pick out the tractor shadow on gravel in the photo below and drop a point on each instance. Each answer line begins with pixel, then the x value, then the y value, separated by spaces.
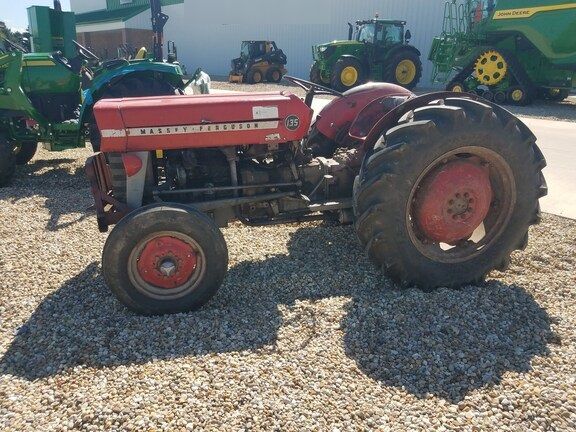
pixel 56 180
pixel 446 343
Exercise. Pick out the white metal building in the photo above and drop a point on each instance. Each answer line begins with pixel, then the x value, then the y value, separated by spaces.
pixel 208 32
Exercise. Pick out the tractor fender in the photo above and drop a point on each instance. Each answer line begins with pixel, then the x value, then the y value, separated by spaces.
pixel 335 119
pixel 395 50
pixel 171 72
pixel 370 134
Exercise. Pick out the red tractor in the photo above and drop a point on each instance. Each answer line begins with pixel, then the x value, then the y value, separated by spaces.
pixel 441 188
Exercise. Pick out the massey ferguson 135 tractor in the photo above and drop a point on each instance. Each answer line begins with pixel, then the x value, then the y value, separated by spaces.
pixel 441 188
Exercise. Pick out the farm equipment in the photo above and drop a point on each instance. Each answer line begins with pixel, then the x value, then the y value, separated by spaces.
pixel 376 50
pixel 441 188
pixel 41 99
pixel 507 51
pixel 258 61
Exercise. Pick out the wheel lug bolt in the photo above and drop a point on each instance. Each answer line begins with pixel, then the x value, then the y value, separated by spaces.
pixel 466 195
pixel 451 202
pixel 457 195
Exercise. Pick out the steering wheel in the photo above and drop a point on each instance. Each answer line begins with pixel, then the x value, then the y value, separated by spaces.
pixel 85 52
pixel 312 89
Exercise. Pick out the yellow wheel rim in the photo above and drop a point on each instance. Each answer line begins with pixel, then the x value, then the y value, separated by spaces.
pixel 491 68
pixel 257 77
pixel 349 76
pixel 517 95
pixel 554 92
pixel 275 75
pixel 405 72
pixel 458 88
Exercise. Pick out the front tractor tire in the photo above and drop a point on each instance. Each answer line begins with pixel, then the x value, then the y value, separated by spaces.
pixel 447 196
pixel 404 69
pixel 165 259
pixel 347 73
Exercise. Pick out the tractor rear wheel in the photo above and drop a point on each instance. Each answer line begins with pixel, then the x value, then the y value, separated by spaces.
pixel 404 69
pixel 165 258
pixel 347 73
pixel 25 151
pixel 449 195
pixel 7 161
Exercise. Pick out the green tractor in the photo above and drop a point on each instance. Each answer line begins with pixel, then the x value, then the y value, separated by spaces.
pixel 48 98
pixel 376 50
pixel 507 51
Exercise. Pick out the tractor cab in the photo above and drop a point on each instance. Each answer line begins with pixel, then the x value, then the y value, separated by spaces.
pixel 380 32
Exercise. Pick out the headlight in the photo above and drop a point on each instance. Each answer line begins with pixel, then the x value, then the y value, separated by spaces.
pixel 322 49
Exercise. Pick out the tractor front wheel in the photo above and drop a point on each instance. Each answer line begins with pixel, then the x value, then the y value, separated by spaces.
pixel 347 73
pixel 25 151
pixel 404 69
pixel 449 195
pixel 165 259
pixel 7 161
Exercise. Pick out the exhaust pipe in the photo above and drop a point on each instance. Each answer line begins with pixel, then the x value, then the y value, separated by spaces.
pixel 57 6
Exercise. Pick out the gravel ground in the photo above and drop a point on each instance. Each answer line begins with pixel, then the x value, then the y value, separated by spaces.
pixel 304 334
pixel 565 111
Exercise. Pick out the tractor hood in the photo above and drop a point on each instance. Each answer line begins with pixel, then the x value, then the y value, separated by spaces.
pixel 326 50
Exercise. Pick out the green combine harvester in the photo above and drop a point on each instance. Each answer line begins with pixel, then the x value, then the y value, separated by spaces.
pixel 47 96
pixel 508 51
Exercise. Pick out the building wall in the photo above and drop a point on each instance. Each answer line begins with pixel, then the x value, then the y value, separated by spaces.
pixel 208 33
pixel 81 6
pixel 105 43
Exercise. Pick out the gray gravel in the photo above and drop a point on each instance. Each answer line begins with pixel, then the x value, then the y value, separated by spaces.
pixel 565 111
pixel 304 335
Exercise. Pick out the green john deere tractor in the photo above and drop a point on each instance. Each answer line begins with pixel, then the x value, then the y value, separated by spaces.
pixel 42 98
pixel 508 51
pixel 376 50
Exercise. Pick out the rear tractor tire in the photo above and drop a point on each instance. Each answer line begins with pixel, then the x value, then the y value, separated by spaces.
pixel 165 258
pixel 347 73
pixel 450 195
pixel 7 161
pixel 404 69
pixel 25 151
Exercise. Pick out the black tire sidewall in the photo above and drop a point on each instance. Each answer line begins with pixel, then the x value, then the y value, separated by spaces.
pixel 154 218
pixel 339 66
pixel 270 75
pixel 392 65
pixel 430 273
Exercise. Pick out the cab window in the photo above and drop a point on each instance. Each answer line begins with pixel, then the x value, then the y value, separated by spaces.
pixel 391 34
pixel 366 33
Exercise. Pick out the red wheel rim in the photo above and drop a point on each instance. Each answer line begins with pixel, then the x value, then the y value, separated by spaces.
pixel 453 201
pixel 167 262
pixel 444 223
pixel 166 265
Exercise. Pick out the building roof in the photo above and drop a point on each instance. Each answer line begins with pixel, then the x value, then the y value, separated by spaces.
pixel 106 15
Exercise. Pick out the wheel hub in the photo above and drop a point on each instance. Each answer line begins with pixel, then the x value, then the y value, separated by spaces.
pixel 491 68
pixel 405 72
pixel 452 201
pixel 167 262
pixel 349 76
